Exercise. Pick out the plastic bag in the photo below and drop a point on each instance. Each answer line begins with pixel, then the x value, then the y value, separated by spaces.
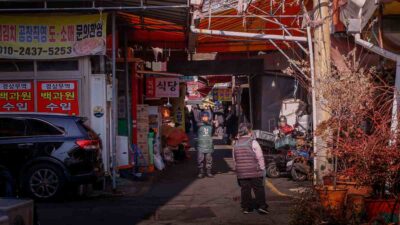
pixel 158 162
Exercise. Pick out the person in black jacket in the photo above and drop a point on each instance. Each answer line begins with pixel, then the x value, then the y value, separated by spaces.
pixel 231 125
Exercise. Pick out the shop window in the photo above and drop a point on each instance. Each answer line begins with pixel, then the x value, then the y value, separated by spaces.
pixel 98 63
pixel 65 65
pixel 12 127
pixel 38 128
pixel 16 66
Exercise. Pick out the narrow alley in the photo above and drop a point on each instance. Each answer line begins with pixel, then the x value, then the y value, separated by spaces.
pixel 177 196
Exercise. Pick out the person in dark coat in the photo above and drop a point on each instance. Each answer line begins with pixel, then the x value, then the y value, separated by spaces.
pixel 205 146
pixel 231 125
pixel 250 170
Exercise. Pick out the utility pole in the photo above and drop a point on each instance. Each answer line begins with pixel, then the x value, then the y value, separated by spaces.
pixel 322 65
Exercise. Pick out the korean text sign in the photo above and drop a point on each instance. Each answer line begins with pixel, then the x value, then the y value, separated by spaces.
pixel 51 37
pixel 58 97
pixel 162 87
pixel 16 96
pixel 224 95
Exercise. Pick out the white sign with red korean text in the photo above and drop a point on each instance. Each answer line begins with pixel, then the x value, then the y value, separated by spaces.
pixel 157 87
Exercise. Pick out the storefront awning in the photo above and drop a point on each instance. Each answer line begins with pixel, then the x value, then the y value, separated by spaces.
pixel 287 14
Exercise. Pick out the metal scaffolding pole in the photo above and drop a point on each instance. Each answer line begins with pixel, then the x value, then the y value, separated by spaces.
pixel 114 104
pixel 247 35
pixel 97 9
pixel 127 91
pixel 314 101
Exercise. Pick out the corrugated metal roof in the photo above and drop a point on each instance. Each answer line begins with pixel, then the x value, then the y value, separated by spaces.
pixel 178 16
pixel 175 15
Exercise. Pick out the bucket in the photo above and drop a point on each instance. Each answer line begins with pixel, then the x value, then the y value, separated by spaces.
pixel 355 204
pixel 332 199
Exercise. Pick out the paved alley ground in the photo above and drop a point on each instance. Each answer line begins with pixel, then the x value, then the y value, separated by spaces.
pixel 176 196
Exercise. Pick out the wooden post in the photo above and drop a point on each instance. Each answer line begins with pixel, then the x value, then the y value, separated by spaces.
pixel 322 62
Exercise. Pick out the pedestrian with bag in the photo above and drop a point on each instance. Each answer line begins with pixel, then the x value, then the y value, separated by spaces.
pixel 205 146
pixel 250 171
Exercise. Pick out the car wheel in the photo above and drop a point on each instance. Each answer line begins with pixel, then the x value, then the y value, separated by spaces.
pixel 272 171
pixel 297 175
pixel 44 182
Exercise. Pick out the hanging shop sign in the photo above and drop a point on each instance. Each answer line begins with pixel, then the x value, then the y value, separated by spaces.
pixel 157 87
pixel 52 37
pixel 192 90
pixel 17 96
pixel 58 97
pixel 223 95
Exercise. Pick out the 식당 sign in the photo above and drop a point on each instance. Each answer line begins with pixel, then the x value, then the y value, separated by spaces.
pixel 162 87
pixel 58 97
pixel 52 37
pixel 17 96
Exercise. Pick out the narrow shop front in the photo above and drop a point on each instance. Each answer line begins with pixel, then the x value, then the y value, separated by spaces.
pixel 46 67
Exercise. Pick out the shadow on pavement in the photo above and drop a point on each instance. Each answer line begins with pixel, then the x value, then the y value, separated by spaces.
pixel 166 188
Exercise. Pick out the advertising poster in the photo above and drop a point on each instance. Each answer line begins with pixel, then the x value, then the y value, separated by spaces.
pixel 58 97
pixel 52 37
pixel 16 96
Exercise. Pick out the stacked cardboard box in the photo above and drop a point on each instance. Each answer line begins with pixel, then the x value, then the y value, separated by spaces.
pixel 143 130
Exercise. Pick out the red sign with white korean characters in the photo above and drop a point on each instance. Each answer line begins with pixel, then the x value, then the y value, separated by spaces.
pixel 58 97
pixel 162 87
pixel 150 87
pixel 17 96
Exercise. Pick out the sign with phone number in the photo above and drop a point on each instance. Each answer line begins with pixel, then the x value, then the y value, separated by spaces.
pixel 51 37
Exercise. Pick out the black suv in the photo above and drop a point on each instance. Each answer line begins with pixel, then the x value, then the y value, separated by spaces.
pixel 46 152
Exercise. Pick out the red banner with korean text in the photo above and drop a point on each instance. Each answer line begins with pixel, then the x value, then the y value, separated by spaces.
pixel 17 96
pixel 58 97
pixel 150 87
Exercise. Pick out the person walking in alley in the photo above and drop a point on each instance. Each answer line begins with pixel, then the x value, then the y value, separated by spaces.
pixel 205 146
pixel 231 125
pixel 195 117
pixel 250 170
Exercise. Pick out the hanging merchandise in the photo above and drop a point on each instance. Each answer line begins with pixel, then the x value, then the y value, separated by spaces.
pixel 158 162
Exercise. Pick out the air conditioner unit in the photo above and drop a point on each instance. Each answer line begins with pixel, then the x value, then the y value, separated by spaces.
pixel 19 212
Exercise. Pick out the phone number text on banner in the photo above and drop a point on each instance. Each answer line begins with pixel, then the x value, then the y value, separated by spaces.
pixel 51 37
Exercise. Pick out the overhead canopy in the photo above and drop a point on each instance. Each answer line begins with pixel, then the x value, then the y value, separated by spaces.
pixel 156 32
pixel 275 16
pixel 167 26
